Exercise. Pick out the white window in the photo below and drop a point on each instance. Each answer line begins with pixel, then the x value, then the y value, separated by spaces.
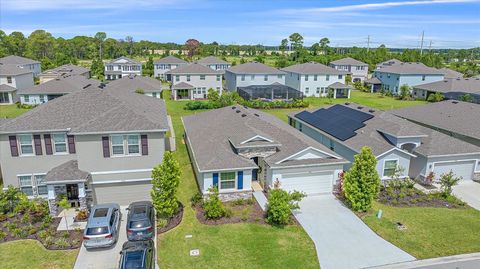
pixel 60 143
pixel 218 77
pixel 188 77
pixel 202 77
pixel 252 77
pixel 389 167
pixel 340 76
pixel 9 80
pixel 315 77
pixel 318 89
pixel 327 78
pixel 423 77
pixel 280 76
pixel 227 180
pixel 306 77
pixel 154 94
pixel 27 98
pixel 26 185
pixel 41 185
pixel 125 145
pixel 42 98
pixel 133 142
pixel 306 89
pixel 265 78
pixel 117 145
pixel 243 78
pixel 177 78
pixel 26 144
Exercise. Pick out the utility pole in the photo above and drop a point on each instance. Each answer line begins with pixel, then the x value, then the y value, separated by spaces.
pixel 421 44
pixel 368 43
pixel 430 47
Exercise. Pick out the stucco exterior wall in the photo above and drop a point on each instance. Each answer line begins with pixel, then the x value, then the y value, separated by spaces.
pixel 312 85
pixel 235 80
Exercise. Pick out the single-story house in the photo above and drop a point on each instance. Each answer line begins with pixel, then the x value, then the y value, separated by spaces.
pixel 451 88
pixel 237 148
pixel 396 142
pixel 62 71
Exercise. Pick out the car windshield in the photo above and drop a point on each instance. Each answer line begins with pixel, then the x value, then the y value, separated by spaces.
pixel 133 260
pixel 137 224
pixel 97 230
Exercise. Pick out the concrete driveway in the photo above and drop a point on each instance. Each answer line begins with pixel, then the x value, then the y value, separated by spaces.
pixel 105 258
pixel 469 192
pixel 342 240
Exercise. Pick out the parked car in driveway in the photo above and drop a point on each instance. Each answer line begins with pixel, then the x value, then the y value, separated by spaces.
pixel 138 255
pixel 140 221
pixel 102 226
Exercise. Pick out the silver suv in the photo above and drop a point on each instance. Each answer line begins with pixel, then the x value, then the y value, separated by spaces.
pixel 102 226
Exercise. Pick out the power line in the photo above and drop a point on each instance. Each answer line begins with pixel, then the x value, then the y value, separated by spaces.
pixel 421 44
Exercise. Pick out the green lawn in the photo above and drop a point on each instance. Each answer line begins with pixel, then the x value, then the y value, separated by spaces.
pixel 431 232
pixel 231 245
pixel 27 254
pixel 11 111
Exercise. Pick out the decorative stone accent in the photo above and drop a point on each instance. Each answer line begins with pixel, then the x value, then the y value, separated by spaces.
pixel 252 152
pixel 83 203
pixel 52 207
pixel 225 197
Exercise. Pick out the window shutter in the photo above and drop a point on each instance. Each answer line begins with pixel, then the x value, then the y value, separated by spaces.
pixel 144 139
pixel 240 180
pixel 106 146
pixel 37 141
pixel 48 144
pixel 215 180
pixel 13 145
pixel 71 144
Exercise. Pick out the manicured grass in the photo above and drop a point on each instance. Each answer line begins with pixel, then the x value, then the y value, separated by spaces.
pixel 431 232
pixel 11 111
pixel 31 254
pixel 230 245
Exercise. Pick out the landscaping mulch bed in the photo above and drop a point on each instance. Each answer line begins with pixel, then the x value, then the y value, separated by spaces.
pixel 172 222
pixel 255 214
pixel 414 197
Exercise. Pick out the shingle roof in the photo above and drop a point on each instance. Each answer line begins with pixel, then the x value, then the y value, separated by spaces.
pixel 194 68
pixel 66 69
pixel 211 60
pixel 449 73
pixel 466 85
pixel 389 62
pixel 62 85
pixel 254 68
pixel 17 60
pixel 347 61
pixel 132 83
pixel 12 70
pixel 94 111
pixel 125 59
pixel 313 68
pixel 67 171
pixel 373 80
pixel 170 60
pixel 339 85
pixel 182 85
pixel 454 116
pixel 410 68
pixel 6 88
pixel 212 133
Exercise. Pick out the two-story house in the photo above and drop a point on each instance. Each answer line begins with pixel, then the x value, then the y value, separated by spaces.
pixel 13 78
pixel 28 64
pixel 121 67
pixel 394 76
pixel 63 71
pixel 55 88
pixel 214 63
pixel 166 64
pixel 193 81
pixel 92 146
pixel 252 74
pixel 315 79
pixel 358 69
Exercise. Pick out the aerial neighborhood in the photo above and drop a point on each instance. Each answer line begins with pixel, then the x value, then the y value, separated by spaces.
pixel 204 155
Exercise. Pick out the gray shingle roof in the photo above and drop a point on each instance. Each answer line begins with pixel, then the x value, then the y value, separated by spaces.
pixel 254 68
pixel 66 69
pixel 410 69
pixel 313 68
pixel 132 83
pixel 388 63
pixel 94 111
pixel 127 61
pixel 466 85
pixel 12 70
pixel 6 88
pixel 211 60
pixel 373 80
pixel 454 116
pixel 212 133
pixel 182 85
pixel 339 85
pixel 194 68
pixel 67 171
pixel 17 60
pixel 347 61
pixel 449 73
pixel 170 60
pixel 62 85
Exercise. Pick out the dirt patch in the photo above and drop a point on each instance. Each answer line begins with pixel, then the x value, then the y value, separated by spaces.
pixel 173 221
pixel 241 213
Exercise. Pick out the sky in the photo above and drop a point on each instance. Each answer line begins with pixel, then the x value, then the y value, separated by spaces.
pixel 395 23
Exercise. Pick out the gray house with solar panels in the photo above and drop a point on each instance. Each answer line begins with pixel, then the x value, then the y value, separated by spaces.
pixel 396 142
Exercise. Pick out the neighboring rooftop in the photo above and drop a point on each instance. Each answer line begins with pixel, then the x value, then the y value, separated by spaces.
pixel 449 73
pixel 170 60
pixel 7 88
pixel 194 68
pixel 211 60
pixel 66 69
pixel 12 70
pixel 254 68
pixel 452 116
pixel 123 60
pixel 62 85
pixel 410 69
pixel 466 85
pixel 17 60
pixel 339 85
pixel 347 61
pixel 132 83
pixel 389 63
pixel 312 68
pixel 182 86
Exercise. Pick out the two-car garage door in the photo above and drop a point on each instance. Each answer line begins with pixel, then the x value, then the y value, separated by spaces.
pixel 308 182
pixel 462 169
pixel 122 193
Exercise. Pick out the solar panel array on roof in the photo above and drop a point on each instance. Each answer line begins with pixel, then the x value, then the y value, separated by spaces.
pixel 338 121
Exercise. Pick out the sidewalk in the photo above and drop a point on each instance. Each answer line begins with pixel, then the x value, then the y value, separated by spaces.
pixel 464 261
pixel 68 216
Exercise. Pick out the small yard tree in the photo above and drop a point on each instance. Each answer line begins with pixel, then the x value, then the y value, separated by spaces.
pixel 447 181
pixel 404 92
pixel 362 183
pixel 280 205
pixel 213 95
pixel 165 180
pixel 214 209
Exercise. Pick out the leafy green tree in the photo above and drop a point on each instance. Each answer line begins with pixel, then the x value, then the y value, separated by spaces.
pixel 16 43
pixel 296 41
pixel 280 205
pixel 165 180
pixel 404 92
pixel 213 95
pixel 348 79
pixel 148 67
pixel 283 45
pixel 100 38
pixel 436 97
pixel 98 68
pixel 324 44
pixel 10 198
pixel 362 183
pixel 214 208
pixel 40 45
pixel 447 181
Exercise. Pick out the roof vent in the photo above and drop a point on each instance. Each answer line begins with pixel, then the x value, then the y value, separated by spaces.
pixel 86 86
pixel 238 111
pixel 458 78
pixel 347 103
pixel 455 102
pixel 256 114
pixel 360 107
pixel 245 107
pixel 234 107
pixel 244 115
pixel 371 110
pixel 102 85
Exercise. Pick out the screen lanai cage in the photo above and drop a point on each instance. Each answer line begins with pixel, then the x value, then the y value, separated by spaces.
pixel 269 92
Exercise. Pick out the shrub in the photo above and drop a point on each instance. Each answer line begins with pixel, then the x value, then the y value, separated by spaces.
pixel 436 97
pixel 10 198
pixel 26 218
pixel 139 91
pixel 197 105
pixel 82 215
pixel 447 181
pixel 196 199
pixel 280 205
pixel 214 208
pixel 404 93
pixel 165 180
pixel 62 243
pixel 49 240
pixel 3 217
pixel 2 235
pixel 42 234
pixel 429 178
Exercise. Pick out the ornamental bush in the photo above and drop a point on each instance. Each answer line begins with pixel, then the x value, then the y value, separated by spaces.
pixel 165 181
pixel 280 205
pixel 214 208
pixel 447 181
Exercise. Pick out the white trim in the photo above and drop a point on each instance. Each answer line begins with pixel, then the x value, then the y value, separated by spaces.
pixel 121 171
pixel 235 180
pixel 309 165
pixel 383 167
pixel 120 181
pixel 475 165
pixel 306 149
pixel 255 137
pixel 395 148
pixel 66 181
pixel 450 155
pixel 54 146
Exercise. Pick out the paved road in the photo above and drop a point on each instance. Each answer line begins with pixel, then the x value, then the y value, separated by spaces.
pixel 342 240
pixel 464 261
pixel 469 192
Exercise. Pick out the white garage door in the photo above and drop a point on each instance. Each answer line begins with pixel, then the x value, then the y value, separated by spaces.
pixel 122 193
pixel 460 169
pixel 310 183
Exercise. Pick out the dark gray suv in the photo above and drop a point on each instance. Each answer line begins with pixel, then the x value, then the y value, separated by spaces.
pixel 137 255
pixel 140 221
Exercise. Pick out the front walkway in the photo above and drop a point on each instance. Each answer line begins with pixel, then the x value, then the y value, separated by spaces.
pixel 469 192
pixel 68 218
pixel 261 199
pixel 342 240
